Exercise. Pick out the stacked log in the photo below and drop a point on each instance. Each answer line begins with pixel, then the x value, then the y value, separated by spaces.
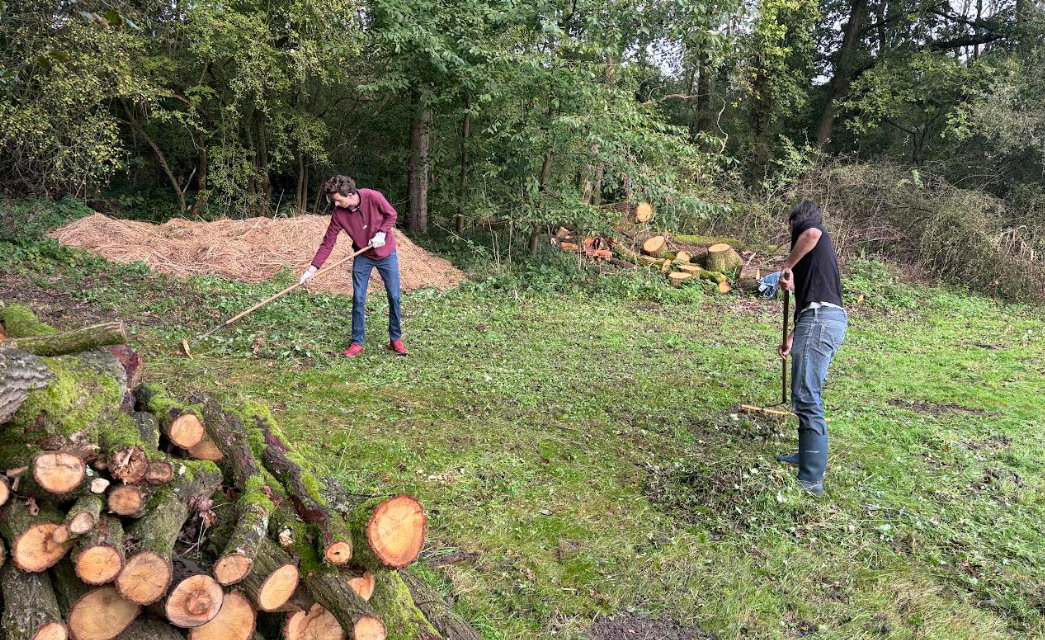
pixel 131 513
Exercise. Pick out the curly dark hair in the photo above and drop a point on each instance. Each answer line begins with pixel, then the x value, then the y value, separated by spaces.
pixel 340 184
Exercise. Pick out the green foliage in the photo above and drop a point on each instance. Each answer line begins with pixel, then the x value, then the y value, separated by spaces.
pixel 24 222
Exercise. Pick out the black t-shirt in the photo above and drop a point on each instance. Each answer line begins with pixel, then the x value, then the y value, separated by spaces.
pixel 816 275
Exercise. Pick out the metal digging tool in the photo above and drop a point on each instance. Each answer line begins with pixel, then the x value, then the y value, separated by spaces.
pixel 185 342
pixel 783 369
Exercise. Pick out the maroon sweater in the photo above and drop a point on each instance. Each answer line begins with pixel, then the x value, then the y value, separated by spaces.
pixel 374 214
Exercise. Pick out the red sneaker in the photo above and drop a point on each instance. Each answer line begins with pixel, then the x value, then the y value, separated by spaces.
pixel 397 346
pixel 354 350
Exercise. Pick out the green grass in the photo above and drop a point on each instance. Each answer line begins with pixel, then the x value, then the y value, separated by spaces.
pixel 587 449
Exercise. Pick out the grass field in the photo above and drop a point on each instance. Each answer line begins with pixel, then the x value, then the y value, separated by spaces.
pixel 580 454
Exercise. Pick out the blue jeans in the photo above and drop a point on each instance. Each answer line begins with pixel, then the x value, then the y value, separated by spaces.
pixel 388 267
pixel 818 334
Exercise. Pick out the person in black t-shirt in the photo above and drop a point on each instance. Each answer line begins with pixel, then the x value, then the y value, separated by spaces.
pixel 811 271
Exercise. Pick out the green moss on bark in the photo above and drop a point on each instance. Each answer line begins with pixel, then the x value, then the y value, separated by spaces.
pixel 20 322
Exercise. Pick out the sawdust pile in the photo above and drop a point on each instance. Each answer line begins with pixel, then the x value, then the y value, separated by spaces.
pixel 250 250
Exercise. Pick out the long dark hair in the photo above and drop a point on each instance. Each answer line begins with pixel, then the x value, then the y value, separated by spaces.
pixel 806 211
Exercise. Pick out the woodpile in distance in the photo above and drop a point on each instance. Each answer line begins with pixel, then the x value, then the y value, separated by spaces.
pixel 128 513
pixel 684 260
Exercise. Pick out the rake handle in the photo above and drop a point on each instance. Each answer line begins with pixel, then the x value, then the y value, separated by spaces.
pixel 284 292
pixel 783 340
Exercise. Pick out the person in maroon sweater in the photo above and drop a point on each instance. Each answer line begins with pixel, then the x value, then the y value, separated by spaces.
pixel 367 217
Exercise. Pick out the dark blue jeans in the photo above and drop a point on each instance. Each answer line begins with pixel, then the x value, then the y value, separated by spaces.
pixel 818 335
pixel 389 269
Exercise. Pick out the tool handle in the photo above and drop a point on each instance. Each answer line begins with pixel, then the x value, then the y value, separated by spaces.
pixel 783 341
pixel 289 289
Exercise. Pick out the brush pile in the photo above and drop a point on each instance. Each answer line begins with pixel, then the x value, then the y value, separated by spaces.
pixel 129 513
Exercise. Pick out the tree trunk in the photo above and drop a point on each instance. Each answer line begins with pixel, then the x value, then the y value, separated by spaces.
pixel 462 191
pixel 844 68
pixel 148 572
pixel 20 373
pixel 722 258
pixel 30 607
pixel 101 614
pixel 420 132
pixel 160 157
pixel 263 164
pixel 704 115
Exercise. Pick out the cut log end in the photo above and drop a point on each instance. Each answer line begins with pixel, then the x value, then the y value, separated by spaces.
pixel 643 212
pixel 235 621
pixel 396 532
pixel 315 624
pixel 160 472
pixel 206 449
pixel 5 491
pixel 128 464
pixel 278 587
pixel 80 523
pixel 126 500
pixel 37 549
pixel 722 258
pixel 338 553
pixel 58 472
pixel 194 602
pixel 677 278
pixel 101 614
pixel 232 568
pixel 653 245
pixel 369 628
pixel 186 431
pixel 51 631
pixel 363 585
pixel 145 578
pixel 99 564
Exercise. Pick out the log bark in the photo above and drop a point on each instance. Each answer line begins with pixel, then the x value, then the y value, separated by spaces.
pixel 179 422
pixel 722 258
pixel 253 507
pixel 388 533
pixel 147 573
pixel 56 344
pixel 83 515
pixel 395 605
pixel 30 607
pixel 20 373
pixel 439 613
pixel 20 322
pixel 355 615
pixel 31 537
pixel 237 620
pixel 194 601
pixel 99 556
pixel 302 487
pixel 273 579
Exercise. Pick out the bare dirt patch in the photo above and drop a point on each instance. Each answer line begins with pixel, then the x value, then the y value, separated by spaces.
pixel 624 626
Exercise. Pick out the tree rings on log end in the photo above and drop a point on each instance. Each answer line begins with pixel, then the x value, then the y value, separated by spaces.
pixel 236 620
pixel 58 472
pixel 101 614
pixel 145 578
pixel 98 564
pixel 37 550
pixel 194 602
pixel 397 530
pixel 338 553
pixel 369 628
pixel 278 587
pixel 232 568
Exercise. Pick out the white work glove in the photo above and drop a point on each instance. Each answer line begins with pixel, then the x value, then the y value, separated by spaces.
pixel 308 274
pixel 378 240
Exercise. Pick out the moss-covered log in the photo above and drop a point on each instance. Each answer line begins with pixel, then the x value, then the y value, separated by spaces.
pixel 355 615
pixel 253 507
pixel 450 625
pixel 150 540
pixel 722 258
pixel 57 344
pixel 181 423
pixel 388 533
pixel 20 373
pixel 303 488
pixel 20 322
pixel 30 607
pixel 394 604
pixel 31 537
pixel 99 555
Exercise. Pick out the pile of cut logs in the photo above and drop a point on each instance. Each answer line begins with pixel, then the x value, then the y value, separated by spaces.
pixel 128 513
pixel 682 259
